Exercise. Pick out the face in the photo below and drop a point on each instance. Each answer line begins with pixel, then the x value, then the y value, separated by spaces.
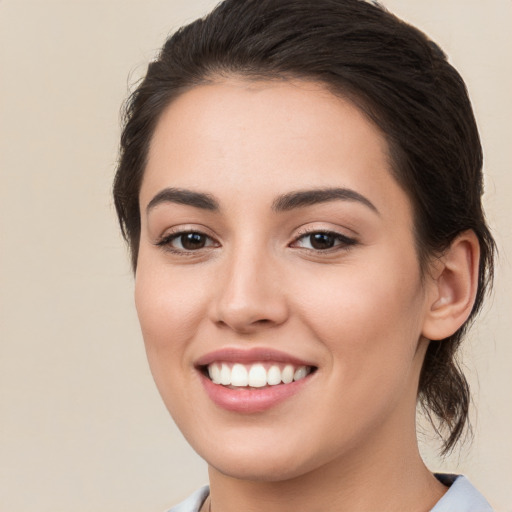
pixel 278 287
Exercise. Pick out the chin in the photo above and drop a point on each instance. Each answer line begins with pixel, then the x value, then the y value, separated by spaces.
pixel 274 463
pixel 258 471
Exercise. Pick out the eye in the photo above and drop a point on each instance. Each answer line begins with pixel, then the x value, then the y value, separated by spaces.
pixel 323 240
pixel 186 241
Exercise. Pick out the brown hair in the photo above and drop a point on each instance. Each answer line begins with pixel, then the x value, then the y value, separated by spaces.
pixel 393 73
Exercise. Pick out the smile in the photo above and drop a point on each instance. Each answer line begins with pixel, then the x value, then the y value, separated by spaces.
pixel 252 381
pixel 256 375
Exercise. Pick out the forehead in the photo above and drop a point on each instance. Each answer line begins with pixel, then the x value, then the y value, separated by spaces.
pixel 266 136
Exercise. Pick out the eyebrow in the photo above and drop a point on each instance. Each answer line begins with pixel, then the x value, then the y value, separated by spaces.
pixel 304 198
pixel 184 196
pixel 283 203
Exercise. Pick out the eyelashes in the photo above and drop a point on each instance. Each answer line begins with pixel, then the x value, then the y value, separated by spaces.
pixel 323 241
pixel 193 242
pixel 186 242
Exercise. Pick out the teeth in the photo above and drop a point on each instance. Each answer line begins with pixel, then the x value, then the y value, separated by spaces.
pixel 287 375
pixel 255 375
pixel 239 375
pixel 214 372
pixel 300 373
pixel 274 376
pixel 225 375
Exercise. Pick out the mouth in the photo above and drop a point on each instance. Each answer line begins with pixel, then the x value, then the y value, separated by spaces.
pixel 252 381
pixel 263 374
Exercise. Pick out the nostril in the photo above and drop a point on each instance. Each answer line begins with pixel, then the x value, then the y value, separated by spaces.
pixel 245 325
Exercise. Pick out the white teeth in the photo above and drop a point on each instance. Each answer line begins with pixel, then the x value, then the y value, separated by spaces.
pixel 214 372
pixel 287 375
pixel 225 375
pixel 255 375
pixel 300 373
pixel 239 375
pixel 274 375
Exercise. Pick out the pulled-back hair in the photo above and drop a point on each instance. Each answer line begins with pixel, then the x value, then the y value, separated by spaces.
pixel 390 70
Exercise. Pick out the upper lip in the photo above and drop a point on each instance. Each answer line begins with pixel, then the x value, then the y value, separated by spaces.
pixel 252 355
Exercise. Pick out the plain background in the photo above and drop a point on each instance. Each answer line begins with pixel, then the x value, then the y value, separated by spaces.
pixel 81 425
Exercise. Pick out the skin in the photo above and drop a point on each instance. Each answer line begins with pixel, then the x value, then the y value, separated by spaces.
pixel 359 312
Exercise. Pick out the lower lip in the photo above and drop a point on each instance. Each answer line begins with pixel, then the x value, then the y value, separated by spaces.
pixel 251 400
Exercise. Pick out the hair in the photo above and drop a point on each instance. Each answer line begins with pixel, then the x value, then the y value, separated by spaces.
pixel 390 70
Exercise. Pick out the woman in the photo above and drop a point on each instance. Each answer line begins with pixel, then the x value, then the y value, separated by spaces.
pixel 300 186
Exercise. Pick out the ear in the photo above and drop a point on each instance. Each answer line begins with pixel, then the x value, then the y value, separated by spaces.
pixel 452 287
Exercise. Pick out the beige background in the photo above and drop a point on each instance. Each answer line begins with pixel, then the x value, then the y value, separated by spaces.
pixel 81 425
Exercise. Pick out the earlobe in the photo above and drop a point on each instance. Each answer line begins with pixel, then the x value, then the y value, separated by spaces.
pixel 452 287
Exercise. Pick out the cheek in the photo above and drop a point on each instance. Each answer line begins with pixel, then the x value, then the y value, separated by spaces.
pixel 170 308
pixel 169 305
pixel 370 317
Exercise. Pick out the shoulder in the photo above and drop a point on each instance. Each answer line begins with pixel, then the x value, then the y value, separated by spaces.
pixel 462 496
pixel 193 502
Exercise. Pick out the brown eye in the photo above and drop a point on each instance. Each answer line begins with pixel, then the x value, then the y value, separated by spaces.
pixel 186 241
pixel 192 241
pixel 323 241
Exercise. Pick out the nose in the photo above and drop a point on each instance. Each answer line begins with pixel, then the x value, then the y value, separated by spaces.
pixel 250 294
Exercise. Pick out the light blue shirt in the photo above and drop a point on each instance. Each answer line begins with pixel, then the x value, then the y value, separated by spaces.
pixel 460 497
